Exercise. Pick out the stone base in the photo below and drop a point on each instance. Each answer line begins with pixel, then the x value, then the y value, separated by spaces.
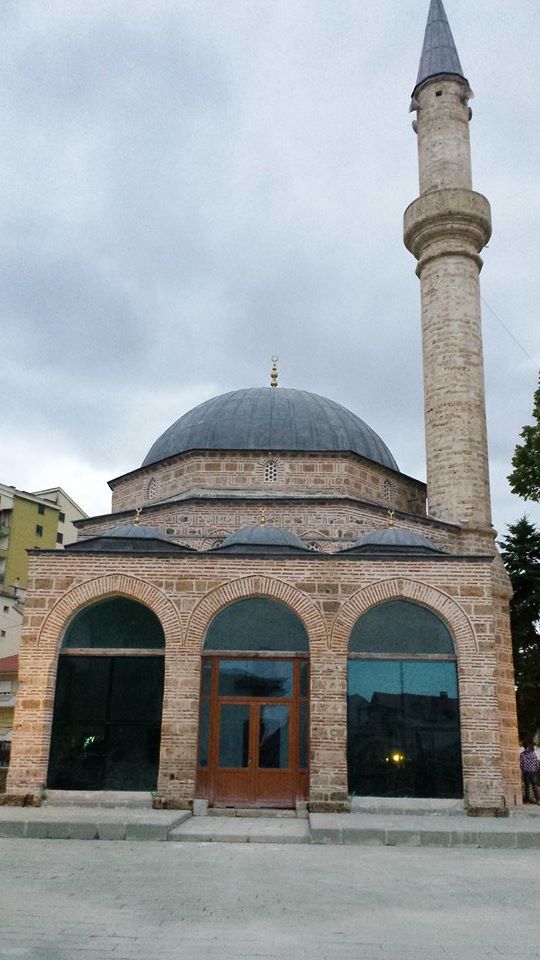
pixel 487 812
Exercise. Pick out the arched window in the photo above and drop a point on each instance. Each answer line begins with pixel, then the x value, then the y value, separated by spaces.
pixel 257 624
pixel 109 692
pixel 253 727
pixel 270 471
pixel 403 705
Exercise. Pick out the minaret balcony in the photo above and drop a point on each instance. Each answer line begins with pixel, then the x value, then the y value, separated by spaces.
pixel 449 221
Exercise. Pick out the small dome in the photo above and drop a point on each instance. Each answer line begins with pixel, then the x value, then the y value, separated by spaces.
pixel 269 419
pixel 394 539
pixel 128 538
pixel 137 531
pixel 262 537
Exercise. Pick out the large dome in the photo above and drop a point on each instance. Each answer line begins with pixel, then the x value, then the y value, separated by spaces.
pixel 267 419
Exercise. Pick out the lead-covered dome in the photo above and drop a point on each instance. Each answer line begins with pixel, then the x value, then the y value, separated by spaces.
pixel 262 418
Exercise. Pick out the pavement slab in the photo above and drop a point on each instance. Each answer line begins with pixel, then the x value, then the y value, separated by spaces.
pixel 242 830
pixel 86 900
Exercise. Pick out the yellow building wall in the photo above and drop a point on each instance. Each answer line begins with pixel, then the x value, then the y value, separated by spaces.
pixel 25 518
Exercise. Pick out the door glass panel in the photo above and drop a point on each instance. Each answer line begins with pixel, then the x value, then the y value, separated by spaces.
pixel 256 678
pixel 204 730
pixel 274 737
pixel 303 737
pixel 234 735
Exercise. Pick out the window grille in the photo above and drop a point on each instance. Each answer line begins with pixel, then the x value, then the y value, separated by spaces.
pixel 270 471
pixel 152 489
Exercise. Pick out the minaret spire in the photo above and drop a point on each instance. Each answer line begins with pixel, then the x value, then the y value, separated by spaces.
pixel 439 54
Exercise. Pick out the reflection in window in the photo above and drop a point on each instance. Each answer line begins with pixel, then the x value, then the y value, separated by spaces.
pixel 234 735
pixel 403 729
pixel 274 737
pixel 107 723
pixel 255 678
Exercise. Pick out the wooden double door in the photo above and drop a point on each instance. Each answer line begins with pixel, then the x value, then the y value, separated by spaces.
pixel 253 736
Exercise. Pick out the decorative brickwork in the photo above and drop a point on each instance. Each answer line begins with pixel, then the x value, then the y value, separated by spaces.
pixel 201 472
pixel 327 593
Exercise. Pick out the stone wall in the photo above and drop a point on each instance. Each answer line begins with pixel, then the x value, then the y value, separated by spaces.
pixel 345 475
pixel 328 594
pixel 331 526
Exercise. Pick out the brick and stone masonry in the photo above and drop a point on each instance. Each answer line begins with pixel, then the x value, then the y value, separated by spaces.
pixel 328 594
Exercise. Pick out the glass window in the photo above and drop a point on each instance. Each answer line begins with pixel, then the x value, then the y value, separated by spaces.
pixel 400 627
pixel 61 517
pixel 41 508
pixel 255 678
pixel 115 622
pixel 59 537
pixel 257 624
pixel 234 735
pixel 107 723
pixel 403 729
pixel 274 737
pixel 39 530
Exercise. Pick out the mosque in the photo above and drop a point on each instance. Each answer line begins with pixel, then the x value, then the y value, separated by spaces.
pixel 272 614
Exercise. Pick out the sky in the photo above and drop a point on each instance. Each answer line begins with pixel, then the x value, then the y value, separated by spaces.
pixel 189 188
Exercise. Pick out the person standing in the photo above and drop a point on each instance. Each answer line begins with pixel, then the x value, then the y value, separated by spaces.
pixel 529 764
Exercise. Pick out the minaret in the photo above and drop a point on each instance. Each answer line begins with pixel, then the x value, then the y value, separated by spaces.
pixel 445 229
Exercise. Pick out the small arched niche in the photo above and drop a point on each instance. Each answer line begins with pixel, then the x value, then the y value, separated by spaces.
pixel 108 700
pixel 403 705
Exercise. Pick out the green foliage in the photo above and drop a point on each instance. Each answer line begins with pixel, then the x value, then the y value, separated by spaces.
pixel 520 551
pixel 525 477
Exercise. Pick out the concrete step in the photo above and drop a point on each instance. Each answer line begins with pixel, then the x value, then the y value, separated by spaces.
pixel 241 830
pixel 256 813
pixel 99 798
pixel 423 831
pixel 407 805
pixel 89 823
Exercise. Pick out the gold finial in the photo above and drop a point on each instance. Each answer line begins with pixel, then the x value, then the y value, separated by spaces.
pixel 391 518
pixel 138 511
pixel 262 517
pixel 274 374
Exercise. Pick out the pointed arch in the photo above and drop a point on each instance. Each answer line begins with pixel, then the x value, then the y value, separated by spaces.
pixel 54 625
pixel 441 604
pixel 248 587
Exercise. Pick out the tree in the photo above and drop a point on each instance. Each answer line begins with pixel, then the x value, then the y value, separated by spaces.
pixel 525 477
pixel 520 551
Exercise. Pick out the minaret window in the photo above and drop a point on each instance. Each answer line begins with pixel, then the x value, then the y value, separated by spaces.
pixel 270 471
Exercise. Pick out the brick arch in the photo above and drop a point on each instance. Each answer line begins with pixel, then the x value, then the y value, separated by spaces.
pixel 247 588
pixel 101 588
pixel 441 604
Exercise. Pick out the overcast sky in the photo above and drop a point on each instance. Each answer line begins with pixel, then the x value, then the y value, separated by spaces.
pixel 190 186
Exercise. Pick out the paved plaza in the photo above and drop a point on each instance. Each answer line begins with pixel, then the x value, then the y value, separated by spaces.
pixel 89 900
